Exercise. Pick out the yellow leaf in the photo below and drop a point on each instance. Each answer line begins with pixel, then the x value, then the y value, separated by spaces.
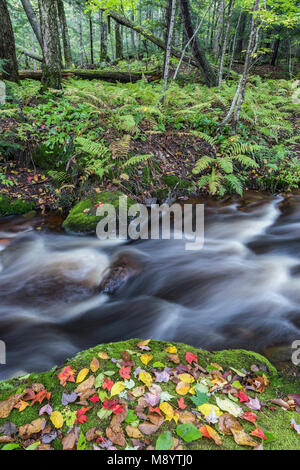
pixel 206 408
pixel 143 343
pixel 187 378
pixel 182 388
pixel 167 409
pixel 57 419
pixel 192 391
pixel 82 375
pixel 22 405
pixel 146 378
pixel 171 349
pixel 146 358
pixel 94 365
pixel 214 435
pixel 138 391
pixel 103 355
pixel 117 388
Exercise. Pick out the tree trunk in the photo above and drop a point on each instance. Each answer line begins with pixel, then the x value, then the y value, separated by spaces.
pixel 32 18
pixel 65 33
pixel 239 97
pixel 172 11
pixel 91 39
pixel 209 75
pixel 275 51
pixel 103 52
pixel 7 45
pixel 119 44
pixel 51 53
pixel 81 50
pixel 242 27
pixel 224 45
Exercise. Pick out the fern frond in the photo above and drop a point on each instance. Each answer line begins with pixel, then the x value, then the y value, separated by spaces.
pixel 202 163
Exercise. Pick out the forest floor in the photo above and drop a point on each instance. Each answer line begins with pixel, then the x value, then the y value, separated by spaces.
pixel 59 147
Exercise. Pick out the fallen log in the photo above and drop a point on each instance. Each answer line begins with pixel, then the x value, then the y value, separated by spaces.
pixel 108 76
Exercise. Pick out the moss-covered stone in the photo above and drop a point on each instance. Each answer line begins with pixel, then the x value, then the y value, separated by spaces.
pixel 276 422
pixel 173 181
pixel 83 218
pixel 10 206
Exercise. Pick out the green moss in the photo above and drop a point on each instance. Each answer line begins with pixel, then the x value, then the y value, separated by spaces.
pixel 83 219
pixel 173 181
pixel 9 206
pixel 276 422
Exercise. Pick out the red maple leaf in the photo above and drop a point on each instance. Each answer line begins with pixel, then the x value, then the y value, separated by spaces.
pixel 249 416
pixel 258 433
pixel 204 432
pixel 108 384
pixel 66 375
pixel 95 398
pixel 41 396
pixel 181 404
pixel 113 405
pixel 80 415
pixel 125 372
pixel 190 357
pixel 155 410
pixel 242 396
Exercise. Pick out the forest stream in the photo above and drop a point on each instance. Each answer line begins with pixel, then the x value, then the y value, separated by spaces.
pixel 242 290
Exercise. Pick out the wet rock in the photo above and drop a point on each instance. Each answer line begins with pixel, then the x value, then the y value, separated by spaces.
pixel 126 265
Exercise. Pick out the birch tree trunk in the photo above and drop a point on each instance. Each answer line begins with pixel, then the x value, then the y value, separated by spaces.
pixel 50 39
pixel 224 45
pixel 7 45
pixel 32 18
pixel 239 96
pixel 172 10
pixel 65 34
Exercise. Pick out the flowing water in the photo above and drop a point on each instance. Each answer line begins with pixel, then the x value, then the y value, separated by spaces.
pixel 242 290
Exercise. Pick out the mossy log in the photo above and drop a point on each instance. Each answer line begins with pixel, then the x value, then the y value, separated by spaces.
pixel 108 76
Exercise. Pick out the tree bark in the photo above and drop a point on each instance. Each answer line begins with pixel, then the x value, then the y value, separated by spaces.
pixel 108 76
pixel 275 51
pixel 32 18
pixel 224 45
pixel 172 11
pixel 103 51
pixel 204 65
pixel 91 38
pixel 7 45
pixel 119 44
pixel 65 33
pixel 51 53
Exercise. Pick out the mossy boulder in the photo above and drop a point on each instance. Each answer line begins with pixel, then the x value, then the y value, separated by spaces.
pixel 10 206
pixel 83 218
pixel 274 422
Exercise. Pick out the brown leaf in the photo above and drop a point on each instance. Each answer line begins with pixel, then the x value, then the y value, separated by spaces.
pixel 186 417
pixel 156 419
pixel 94 365
pixel 133 432
pixel 7 405
pixel 228 424
pixel 5 439
pixel 148 429
pixel 87 384
pixel 116 435
pixel 44 447
pixel 214 435
pixel 174 358
pixel 34 427
pixel 70 440
pixel 93 434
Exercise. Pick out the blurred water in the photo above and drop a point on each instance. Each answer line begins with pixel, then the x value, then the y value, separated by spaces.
pixel 242 290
